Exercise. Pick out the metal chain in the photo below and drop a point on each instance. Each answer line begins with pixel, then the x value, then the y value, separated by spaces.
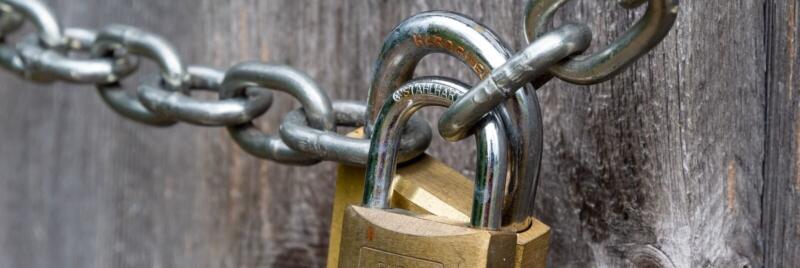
pixel 307 135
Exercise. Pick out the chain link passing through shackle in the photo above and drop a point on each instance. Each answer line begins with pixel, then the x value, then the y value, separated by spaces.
pixel 306 135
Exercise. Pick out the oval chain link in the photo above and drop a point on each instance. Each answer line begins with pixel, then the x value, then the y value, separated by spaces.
pixel 608 62
pixel 129 40
pixel 308 134
pixel 181 107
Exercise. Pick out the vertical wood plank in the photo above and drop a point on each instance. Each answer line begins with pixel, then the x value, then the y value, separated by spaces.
pixel 781 198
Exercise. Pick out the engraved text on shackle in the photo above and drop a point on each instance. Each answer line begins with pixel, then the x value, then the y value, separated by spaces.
pixel 435 41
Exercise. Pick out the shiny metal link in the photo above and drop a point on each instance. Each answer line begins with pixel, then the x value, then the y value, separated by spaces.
pixel 47 64
pixel 261 145
pixel 491 163
pixel 201 77
pixel 315 102
pixel 130 40
pixel 10 21
pixel 309 133
pixel 603 65
pixel 48 32
pixel 179 106
pixel 47 26
pixel 148 45
pixel 525 66
pixel 10 60
pixel 332 146
pixel 479 48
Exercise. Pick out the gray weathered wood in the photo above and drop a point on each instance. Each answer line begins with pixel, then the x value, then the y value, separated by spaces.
pixel 663 165
pixel 781 195
pixel 688 159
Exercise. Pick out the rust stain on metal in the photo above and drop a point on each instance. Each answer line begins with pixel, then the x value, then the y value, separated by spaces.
pixel 370 234
pixel 731 188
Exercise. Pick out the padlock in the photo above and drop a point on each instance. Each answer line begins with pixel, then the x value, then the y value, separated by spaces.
pixel 426 185
pixel 447 194
pixel 375 235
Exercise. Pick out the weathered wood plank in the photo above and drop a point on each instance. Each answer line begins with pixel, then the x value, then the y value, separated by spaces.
pixel 662 166
pixel 781 198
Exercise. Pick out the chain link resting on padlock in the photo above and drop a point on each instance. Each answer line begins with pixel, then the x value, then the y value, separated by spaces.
pixel 308 135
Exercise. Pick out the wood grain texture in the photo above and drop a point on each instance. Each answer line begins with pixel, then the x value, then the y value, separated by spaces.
pixel 781 197
pixel 662 166
pixel 688 159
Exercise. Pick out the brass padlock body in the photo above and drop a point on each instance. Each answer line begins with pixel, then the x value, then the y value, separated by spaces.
pixel 414 190
pixel 380 238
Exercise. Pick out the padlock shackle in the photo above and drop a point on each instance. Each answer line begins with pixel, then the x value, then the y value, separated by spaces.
pixel 490 136
pixel 428 33
pixel 481 50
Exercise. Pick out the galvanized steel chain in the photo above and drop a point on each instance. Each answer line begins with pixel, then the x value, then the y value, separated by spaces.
pixel 308 135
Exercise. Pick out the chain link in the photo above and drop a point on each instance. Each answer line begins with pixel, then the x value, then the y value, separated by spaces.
pixel 608 62
pixel 180 107
pixel 308 135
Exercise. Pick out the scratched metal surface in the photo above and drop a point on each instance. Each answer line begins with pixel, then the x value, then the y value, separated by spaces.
pixel 690 158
